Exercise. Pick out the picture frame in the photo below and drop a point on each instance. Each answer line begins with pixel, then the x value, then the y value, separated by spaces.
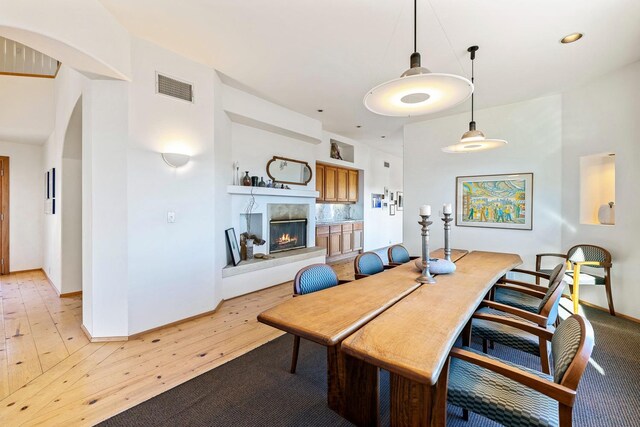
pixel 47 193
pixel 400 202
pixel 376 201
pixel 495 201
pixel 232 244
pixel 53 183
pixel 392 209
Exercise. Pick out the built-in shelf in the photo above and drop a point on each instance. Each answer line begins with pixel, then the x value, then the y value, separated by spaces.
pixel 597 188
pixel 276 259
pixel 264 191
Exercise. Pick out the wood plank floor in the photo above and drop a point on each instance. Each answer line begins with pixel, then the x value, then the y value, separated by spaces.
pixel 50 374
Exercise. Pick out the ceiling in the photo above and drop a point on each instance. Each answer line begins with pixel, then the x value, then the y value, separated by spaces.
pixel 308 55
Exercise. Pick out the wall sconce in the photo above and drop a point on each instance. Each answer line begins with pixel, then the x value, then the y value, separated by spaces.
pixel 176 160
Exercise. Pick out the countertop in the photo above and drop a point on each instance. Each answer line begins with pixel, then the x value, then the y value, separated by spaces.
pixel 344 221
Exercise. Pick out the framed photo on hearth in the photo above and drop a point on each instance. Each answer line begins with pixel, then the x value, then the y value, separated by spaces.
pixel 495 201
pixel 232 244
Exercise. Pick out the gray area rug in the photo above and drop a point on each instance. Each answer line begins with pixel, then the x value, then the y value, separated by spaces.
pixel 256 389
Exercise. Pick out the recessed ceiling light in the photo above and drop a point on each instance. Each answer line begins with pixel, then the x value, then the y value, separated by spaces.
pixel 320 111
pixel 573 37
pixel 383 136
pixel 359 126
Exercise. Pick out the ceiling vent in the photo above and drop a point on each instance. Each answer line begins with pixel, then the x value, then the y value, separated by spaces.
pixel 174 88
pixel 386 164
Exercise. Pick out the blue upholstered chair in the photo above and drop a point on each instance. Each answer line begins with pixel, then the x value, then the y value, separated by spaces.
pixel 312 278
pixel 367 264
pixel 526 296
pixel 517 396
pixel 398 254
pixel 489 323
pixel 597 260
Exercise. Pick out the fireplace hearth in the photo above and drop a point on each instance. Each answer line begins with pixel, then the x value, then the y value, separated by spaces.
pixel 287 234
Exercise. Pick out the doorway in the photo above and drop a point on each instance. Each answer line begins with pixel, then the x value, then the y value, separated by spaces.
pixel 4 215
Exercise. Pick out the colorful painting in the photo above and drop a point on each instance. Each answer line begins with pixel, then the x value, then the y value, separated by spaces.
pixel 496 201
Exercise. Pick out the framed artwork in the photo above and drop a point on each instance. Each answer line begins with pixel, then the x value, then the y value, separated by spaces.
pixel 232 244
pixel 392 209
pixel 53 183
pixel 495 201
pixel 47 193
pixel 400 202
pixel 376 201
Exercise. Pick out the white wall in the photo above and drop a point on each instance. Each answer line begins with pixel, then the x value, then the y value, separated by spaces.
pixel 26 204
pixel 533 130
pixel 26 110
pixel 600 117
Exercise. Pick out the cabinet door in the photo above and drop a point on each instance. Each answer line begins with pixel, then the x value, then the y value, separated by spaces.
pixel 356 240
pixel 330 180
pixel 346 242
pixel 342 186
pixel 335 241
pixel 322 241
pixel 320 182
pixel 353 186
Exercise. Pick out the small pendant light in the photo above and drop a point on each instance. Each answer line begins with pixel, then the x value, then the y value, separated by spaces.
pixel 418 91
pixel 473 140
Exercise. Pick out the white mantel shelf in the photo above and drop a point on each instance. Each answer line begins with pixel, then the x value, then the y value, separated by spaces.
pixel 264 191
pixel 276 259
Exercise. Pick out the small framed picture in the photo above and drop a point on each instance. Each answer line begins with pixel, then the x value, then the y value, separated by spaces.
pixel 392 209
pixel 232 244
pixel 376 201
pixel 400 202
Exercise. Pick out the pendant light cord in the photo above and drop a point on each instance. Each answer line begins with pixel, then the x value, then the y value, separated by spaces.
pixel 415 26
pixel 472 75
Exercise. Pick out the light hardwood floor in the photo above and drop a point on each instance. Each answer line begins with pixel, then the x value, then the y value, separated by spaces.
pixel 50 374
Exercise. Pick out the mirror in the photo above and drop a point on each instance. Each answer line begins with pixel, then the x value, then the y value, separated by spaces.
pixel 288 171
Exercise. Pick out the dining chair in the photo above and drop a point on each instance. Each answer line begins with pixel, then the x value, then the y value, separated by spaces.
pixel 398 254
pixel 514 395
pixel 312 278
pixel 596 259
pixel 367 264
pixel 523 295
pixel 484 324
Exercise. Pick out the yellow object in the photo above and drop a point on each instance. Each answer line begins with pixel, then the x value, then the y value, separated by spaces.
pixel 575 296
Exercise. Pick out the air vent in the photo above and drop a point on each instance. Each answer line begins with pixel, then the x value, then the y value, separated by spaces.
pixel 174 88
pixel 386 164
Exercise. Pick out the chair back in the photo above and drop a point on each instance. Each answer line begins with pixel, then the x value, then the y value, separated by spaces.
pixel 315 277
pixel 571 347
pixel 368 263
pixel 582 253
pixel 398 254
pixel 549 304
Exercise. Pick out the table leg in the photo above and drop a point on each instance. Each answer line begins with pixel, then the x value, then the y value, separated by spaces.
pixel 353 388
pixel 417 404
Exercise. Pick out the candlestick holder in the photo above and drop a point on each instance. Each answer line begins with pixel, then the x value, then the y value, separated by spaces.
pixel 426 276
pixel 447 231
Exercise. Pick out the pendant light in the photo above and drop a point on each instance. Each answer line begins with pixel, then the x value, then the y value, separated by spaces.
pixel 473 140
pixel 418 91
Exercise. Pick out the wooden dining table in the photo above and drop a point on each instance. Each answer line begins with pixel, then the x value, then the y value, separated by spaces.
pixel 353 313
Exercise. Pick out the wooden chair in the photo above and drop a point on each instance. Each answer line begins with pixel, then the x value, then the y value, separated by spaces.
pixel 312 278
pixel 514 395
pixel 398 255
pixel 583 255
pixel 488 323
pixel 367 264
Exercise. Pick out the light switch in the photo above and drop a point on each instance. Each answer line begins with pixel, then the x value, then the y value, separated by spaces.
pixel 171 217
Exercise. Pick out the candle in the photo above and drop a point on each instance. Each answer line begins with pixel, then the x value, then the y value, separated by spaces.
pixel 425 210
pixel 447 208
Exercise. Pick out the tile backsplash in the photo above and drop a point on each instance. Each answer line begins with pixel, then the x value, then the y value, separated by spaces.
pixel 329 212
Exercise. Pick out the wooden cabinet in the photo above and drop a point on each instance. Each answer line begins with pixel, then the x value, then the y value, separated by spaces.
pixel 320 181
pixel 335 184
pixel 352 187
pixel 330 183
pixel 340 240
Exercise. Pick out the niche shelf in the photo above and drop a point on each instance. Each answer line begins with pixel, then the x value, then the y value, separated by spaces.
pixel 597 185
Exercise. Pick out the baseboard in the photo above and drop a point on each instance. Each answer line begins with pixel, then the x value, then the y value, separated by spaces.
pixel 597 307
pixel 102 339
pixel 63 295
pixel 30 270
pixel 70 294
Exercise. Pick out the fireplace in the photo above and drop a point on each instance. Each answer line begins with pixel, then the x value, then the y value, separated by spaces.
pixel 287 234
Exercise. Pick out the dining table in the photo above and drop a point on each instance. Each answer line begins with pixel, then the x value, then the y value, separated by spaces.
pixel 389 320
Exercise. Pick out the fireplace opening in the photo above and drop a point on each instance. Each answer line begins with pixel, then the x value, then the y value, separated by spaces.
pixel 287 234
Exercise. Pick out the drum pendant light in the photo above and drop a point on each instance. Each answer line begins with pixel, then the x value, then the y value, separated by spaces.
pixel 473 140
pixel 418 91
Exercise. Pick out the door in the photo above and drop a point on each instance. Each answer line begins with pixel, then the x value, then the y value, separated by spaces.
pixel 322 238
pixel 343 182
pixel 346 242
pixel 357 240
pixel 353 186
pixel 334 244
pixel 330 177
pixel 4 215
pixel 320 182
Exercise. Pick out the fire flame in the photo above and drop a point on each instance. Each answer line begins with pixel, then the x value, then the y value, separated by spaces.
pixel 286 238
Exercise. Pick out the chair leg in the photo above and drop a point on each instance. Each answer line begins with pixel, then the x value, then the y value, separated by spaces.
pixel 544 357
pixel 465 414
pixel 484 346
pixel 575 293
pixel 294 357
pixel 607 286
